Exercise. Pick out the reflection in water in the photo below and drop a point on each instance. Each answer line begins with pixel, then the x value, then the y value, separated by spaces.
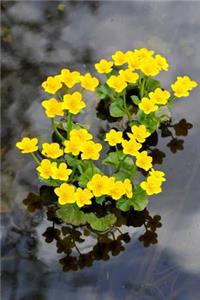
pixel 105 245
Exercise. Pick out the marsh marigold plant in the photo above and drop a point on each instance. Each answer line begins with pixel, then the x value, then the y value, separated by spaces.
pixel 71 162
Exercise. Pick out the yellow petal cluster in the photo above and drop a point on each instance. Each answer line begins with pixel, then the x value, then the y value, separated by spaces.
pixel 51 150
pixel 27 145
pixel 104 66
pixel 53 108
pixel 114 137
pixel 143 161
pixel 147 106
pixel 182 86
pixel 139 133
pixel 88 82
pixel 101 185
pixel 48 169
pixel 80 141
pixel 69 78
pixel 117 83
pixel 52 84
pixel 153 184
pixel 159 96
pixel 131 147
pixel 73 103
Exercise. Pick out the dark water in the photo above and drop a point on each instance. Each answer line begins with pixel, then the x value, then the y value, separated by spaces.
pixel 39 39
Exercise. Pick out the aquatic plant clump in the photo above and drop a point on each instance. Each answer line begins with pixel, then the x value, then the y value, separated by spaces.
pixel 68 162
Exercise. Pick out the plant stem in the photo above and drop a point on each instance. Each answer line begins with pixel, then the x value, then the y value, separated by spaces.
pixel 92 167
pixel 126 108
pixel 117 152
pixel 142 88
pixel 56 130
pixel 35 158
pixel 69 124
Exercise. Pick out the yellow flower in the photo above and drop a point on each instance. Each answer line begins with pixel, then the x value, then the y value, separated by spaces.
pixel 119 58
pixel 143 53
pixel 61 172
pixel 117 190
pixel 182 86
pixel 147 106
pixel 52 84
pixel 133 60
pixel 140 133
pixel 104 66
pixel 27 145
pixel 114 137
pixel 161 62
pixel 73 146
pixel 88 82
pixel 117 83
pixel 53 108
pixel 81 134
pixel 180 90
pixel 128 188
pixel 91 150
pixel 151 187
pixel 69 78
pixel 149 66
pixel 98 185
pixel 65 193
pixel 187 81
pixel 131 147
pixel 52 150
pixel 159 96
pixel 45 168
pixel 159 175
pixel 73 103
pixel 83 197
pixel 143 160
pixel 128 75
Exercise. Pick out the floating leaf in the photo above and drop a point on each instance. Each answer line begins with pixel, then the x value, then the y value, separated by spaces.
pixel 71 214
pixel 101 224
pixel 124 204
pixel 139 199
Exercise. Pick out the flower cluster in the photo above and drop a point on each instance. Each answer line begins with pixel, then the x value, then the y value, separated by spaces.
pixel 68 162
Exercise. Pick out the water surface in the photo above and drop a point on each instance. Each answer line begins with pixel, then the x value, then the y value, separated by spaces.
pixel 38 39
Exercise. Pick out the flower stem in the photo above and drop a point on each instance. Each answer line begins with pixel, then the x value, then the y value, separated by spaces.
pixel 126 108
pixel 56 130
pixel 69 124
pixel 142 88
pixel 35 158
pixel 117 153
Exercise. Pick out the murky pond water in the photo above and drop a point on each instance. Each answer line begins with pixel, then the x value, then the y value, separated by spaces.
pixel 41 37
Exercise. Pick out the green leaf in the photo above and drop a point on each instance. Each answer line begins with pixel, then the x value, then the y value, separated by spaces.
pixel 85 177
pixel 101 224
pixel 51 182
pixel 151 84
pixel 89 169
pixel 114 158
pixel 140 199
pixel 116 108
pixel 100 200
pixel 71 214
pixel 135 99
pixel 127 169
pixel 150 121
pixel 72 161
pixel 124 204
pixel 103 91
